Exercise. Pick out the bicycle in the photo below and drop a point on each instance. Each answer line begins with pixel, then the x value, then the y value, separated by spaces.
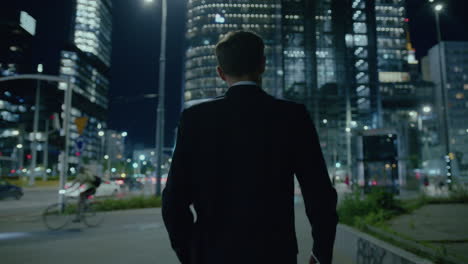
pixel 58 215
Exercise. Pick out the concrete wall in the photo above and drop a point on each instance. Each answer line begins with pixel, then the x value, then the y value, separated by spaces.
pixel 355 247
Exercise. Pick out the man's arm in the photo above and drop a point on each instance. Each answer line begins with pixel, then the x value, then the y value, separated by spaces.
pixel 319 195
pixel 177 198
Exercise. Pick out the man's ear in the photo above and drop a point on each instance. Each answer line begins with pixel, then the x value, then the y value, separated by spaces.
pixel 221 73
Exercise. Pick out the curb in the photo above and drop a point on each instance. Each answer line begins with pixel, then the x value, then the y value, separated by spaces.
pixel 368 249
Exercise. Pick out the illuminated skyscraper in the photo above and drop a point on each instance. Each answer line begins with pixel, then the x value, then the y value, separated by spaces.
pixel 335 56
pixel 447 64
pixel 210 19
pixel 87 61
pixel 93 28
pixel 283 26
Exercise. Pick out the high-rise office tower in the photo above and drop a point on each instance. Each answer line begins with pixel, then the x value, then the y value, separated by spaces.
pixel 447 65
pixel 284 26
pixel 87 61
pixel 17 31
pixel 208 20
pixel 336 56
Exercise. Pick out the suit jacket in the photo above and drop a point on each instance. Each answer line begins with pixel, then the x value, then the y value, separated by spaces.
pixel 235 161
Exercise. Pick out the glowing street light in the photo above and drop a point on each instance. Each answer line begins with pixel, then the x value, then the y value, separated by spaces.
pixel 427 109
pixel 438 7
pixel 124 134
pixel 20 146
pixel 142 157
pixel 106 157
pixel 101 133
pixel 135 165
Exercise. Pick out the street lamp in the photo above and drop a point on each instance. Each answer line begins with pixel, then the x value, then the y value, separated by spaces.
pixel 142 157
pixel 437 9
pixel 19 146
pixel 160 110
pixel 124 134
pixel 427 109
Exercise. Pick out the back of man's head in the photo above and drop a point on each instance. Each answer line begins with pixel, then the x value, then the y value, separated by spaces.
pixel 240 53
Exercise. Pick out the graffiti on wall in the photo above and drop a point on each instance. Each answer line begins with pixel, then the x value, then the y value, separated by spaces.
pixel 368 253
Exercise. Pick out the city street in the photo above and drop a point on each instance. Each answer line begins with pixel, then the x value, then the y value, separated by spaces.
pixel 35 200
pixel 134 236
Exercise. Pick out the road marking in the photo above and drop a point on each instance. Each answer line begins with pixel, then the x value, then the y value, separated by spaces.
pixel 13 235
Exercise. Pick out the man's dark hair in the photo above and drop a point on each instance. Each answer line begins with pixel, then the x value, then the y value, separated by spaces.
pixel 240 53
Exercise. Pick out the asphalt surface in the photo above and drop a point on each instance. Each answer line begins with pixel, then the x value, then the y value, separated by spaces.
pixel 134 236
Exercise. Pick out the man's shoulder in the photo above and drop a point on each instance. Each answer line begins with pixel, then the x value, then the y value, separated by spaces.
pixel 204 105
pixel 288 104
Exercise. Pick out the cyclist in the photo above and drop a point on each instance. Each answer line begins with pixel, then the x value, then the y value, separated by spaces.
pixel 91 183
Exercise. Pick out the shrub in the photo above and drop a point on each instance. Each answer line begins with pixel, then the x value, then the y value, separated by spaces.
pixel 374 208
pixel 136 202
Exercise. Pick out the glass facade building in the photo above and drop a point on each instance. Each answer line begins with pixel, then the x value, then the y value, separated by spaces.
pixel 208 20
pixel 87 62
pixel 451 67
pixel 339 58
pixel 93 28
pixel 15 96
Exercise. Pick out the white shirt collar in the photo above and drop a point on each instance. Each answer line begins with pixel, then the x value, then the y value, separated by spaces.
pixel 244 83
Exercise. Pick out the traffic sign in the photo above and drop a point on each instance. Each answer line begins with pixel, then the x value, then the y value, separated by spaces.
pixel 81 123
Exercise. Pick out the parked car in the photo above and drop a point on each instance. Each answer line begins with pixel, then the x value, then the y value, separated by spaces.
pixel 8 190
pixel 107 188
pixel 128 182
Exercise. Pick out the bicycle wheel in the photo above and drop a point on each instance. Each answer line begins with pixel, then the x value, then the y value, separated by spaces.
pixel 57 215
pixel 91 217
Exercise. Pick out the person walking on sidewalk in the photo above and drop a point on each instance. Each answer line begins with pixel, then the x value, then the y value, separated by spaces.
pixel 235 161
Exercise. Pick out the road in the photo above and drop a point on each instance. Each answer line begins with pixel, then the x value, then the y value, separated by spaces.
pixel 133 236
pixel 37 199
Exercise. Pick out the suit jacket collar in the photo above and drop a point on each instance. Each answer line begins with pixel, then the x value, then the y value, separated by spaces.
pixel 244 90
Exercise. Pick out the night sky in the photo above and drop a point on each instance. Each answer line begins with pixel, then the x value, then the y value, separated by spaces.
pixel 135 68
pixel 135 54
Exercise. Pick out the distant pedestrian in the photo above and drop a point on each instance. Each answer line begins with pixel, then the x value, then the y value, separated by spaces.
pixel 347 180
pixel 425 181
pixel 235 161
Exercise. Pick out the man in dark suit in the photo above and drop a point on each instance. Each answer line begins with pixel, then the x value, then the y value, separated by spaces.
pixel 235 161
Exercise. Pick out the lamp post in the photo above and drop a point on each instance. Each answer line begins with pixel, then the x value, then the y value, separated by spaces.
pixel 437 9
pixel 101 134
pixel 161 96
pixel 37 104
pixel 426 110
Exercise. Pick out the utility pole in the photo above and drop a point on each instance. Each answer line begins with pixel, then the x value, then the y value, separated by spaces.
pixel 160 111
pixel 45 157
pixel 447 156
pixel 32 167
